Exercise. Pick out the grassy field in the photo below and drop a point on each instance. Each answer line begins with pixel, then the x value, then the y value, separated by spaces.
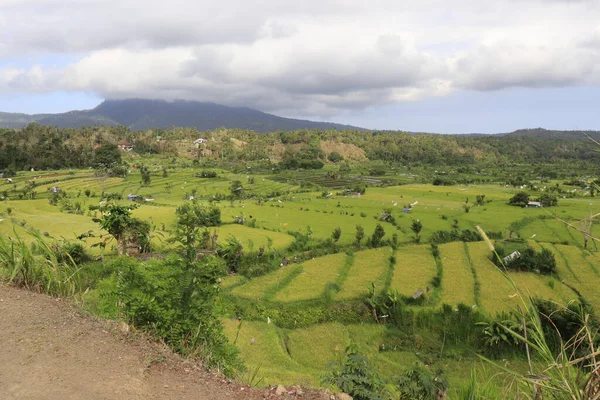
pixel 311 282
pixel 369 266
pixel 414 269
pixel 281 208
pixel 458 283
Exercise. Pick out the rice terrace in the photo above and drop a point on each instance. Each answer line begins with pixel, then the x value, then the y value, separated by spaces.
pixel 292 258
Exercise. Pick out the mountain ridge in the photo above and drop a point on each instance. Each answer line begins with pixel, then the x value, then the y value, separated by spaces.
pixel 139 114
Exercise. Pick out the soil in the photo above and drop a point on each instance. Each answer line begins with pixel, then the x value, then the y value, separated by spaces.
pixel 51 350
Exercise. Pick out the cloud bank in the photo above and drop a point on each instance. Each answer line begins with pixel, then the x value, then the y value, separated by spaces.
pixel 302 58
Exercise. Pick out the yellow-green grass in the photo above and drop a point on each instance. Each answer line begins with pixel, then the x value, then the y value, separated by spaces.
pixel 588 280
pixel 458 284
pixel 253 238
pixel 256 288
pixel 535 285
pixel 232 280
pixel 319 345
pixel 311 282
pixel 369 266
pixel 414 269
pixel 494 285
pixel 261 348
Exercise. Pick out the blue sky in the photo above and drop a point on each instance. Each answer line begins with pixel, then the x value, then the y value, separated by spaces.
pixel 420 65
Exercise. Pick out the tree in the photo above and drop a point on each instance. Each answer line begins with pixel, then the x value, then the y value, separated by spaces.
pixel 416 227
pixel 548 200
pixel 520 199
pixel 336 234
pixel 236 189
pixel 359 235
pixel 480 199
pixel 232 252
pixel 116 220
pixel 106 156
pixel 377 236
pixel 145 172
pixel 335 157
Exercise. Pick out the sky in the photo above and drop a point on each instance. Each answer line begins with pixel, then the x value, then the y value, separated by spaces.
pixel 459 66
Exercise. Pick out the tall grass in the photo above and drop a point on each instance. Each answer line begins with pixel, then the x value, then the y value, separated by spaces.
pixel 40 265
pixel 570 370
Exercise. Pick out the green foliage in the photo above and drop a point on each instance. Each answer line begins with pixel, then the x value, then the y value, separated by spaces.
pixel 520 199
pixel 44 265
pixel 420 383
pixel 336 234
pixel 236 190
pixel 231 251
pixel 174 299
pixel 377 237
pixel 530 260
pixel 107 156
pixel 416 227
pixel 355 375
pixel 207 174
pixel 466 235
pixel 119 223
pixel 145 174
pixel 548 200
pixel 335 157
pixel 196 214
pixel 118 171
pixel 359 235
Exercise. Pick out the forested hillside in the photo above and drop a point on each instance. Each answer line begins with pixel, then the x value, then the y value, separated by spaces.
pixel 43 147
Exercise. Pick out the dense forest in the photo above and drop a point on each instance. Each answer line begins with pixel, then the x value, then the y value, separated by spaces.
pixel 43 147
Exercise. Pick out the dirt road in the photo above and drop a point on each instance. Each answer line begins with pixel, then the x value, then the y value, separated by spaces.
pixel 50 351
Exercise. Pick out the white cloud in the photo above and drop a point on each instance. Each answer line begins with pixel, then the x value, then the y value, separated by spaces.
pixel 309 57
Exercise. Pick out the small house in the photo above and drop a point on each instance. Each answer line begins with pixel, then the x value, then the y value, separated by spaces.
pixel 125 146
pixel 511 257
pixel 534 204
pixel 9 180
pixel 55 189
pixel 199 142
pixel 134 197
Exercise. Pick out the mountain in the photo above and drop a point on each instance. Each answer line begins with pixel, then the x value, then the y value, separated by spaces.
pixel 143 114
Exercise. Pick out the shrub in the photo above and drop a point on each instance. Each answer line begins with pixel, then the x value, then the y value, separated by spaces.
pixel 355 375
pixel 377 237
pixel 548 200
pixel 542 262
pixel 207 174
pixel 520 199
pixel 335 157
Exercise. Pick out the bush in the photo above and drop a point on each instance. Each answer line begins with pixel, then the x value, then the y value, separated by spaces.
pixel 542 262
pixel 335 157
pixel 466 235
pixel 443 182
pixel 176 303
pixel 520 199
pixel 356 376
pixel 548 200
pixel 207 174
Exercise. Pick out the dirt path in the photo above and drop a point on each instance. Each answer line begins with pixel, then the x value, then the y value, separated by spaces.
pixel 49 351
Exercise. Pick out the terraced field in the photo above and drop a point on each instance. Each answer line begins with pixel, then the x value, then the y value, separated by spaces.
pixel 369 266
pixel 458 283
pixel 415 267
pixel 311 282
pixel 588 279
